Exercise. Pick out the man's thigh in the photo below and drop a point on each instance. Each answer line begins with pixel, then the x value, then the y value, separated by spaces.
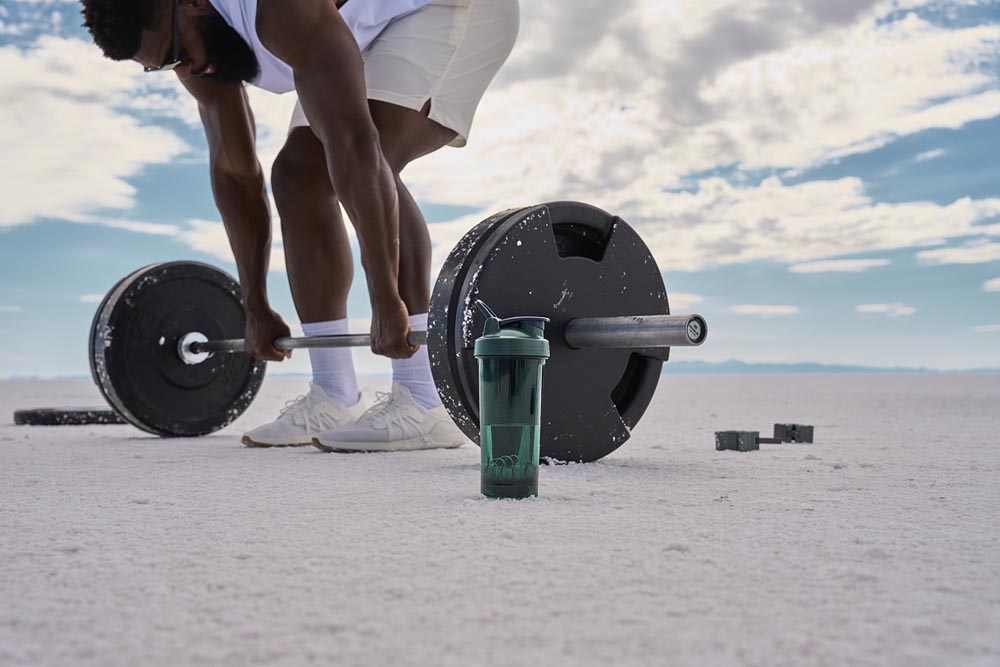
pixel 406 134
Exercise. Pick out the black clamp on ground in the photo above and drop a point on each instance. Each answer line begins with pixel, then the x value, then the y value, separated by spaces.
pixel 749 441
pixel 793 432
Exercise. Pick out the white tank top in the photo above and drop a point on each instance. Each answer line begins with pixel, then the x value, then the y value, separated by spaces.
pixel 365 18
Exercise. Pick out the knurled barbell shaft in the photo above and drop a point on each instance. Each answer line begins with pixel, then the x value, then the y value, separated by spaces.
pixel 619 332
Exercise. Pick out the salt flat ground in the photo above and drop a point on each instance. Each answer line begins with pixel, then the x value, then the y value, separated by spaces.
pixel 878 544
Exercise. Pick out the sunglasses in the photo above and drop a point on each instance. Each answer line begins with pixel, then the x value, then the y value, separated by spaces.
pixel 175 52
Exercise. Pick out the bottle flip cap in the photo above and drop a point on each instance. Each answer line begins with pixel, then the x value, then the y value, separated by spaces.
pixel 522 336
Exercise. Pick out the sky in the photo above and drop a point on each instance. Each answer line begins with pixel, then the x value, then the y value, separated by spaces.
pixel 819 179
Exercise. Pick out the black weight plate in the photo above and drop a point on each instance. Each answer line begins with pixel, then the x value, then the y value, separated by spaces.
pixel 446 309
pixel 93 327
pixel 66 417
pixel 134 350
pixel 562 260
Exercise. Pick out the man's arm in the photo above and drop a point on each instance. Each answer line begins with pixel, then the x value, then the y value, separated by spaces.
pixel 241 197
pixel 312 38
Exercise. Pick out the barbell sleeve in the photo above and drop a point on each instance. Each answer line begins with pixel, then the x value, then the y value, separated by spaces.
pixel 637 331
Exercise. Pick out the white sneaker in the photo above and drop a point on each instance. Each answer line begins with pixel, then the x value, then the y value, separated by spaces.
pixel 301 419
pixel 395 423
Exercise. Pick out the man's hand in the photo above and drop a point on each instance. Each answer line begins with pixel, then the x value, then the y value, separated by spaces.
pixel 263 327
pixel 390 325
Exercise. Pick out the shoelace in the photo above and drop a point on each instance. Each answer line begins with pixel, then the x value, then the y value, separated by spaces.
pixel 301 407
pixel 385 412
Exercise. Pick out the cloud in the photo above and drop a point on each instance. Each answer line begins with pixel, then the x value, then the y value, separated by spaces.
pixel 926 156
pixel 976 252
pixel 91 298
pixel 838 266
pixel 209 236
pixel 10 309
pixel 764 311
pixel 137 226
pixel 992 285
pixel 889 309
pixel 647 102
pixel 681 302
pixel 723 224
pixel 652 95
pixel 987 328
pixel 69 144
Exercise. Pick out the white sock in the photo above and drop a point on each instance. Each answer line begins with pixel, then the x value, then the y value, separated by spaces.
pixel 333 367
pixel 415 373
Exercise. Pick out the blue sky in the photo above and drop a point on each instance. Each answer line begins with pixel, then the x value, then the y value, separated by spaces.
pixel 820 181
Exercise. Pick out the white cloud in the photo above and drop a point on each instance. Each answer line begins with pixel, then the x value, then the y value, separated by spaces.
pixel 926 156
pixel 724 224
pixel 647 99
pixel 889 309
pixel 987 328
pixel 137 226
pixel 681 302
pixel 91 298
pixel 992 285
pixel 838 266
pixel 977 252
pixel 209 236
pixel 10 309
pixel 764 311
pixel 69 147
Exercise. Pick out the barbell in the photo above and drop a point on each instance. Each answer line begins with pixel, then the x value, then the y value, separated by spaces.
pixel 166 354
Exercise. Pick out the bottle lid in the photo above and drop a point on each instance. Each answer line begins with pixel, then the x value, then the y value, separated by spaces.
pixel 522 336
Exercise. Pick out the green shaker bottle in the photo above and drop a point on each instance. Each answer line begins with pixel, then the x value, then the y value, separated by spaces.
pixel 511 353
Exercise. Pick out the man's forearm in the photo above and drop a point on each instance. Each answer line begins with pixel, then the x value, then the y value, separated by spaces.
pixel 242 201
pixel 366 186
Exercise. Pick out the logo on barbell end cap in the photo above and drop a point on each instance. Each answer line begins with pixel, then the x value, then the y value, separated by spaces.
pixel 694 330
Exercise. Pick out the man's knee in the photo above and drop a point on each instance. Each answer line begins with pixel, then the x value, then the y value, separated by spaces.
pixel 406 135
pixel 299 170
pixel 395 153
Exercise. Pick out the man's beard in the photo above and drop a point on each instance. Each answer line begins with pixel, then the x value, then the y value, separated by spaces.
pixel 232 57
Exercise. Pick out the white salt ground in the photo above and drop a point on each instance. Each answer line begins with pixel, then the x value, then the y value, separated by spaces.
pixel 879 544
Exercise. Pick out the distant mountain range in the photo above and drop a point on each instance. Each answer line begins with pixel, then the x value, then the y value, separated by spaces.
pixel 734 367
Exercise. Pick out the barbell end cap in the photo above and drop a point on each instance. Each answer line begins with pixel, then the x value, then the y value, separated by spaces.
pixel 697 330
pixel 186 346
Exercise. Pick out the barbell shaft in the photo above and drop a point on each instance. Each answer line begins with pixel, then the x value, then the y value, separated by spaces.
pixel 288 343
pixel 618 332
pixel 637 331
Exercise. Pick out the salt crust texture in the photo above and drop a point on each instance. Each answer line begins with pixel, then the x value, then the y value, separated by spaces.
pixel 879 544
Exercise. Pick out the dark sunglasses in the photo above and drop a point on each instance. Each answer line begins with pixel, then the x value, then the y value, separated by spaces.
pixel 175 52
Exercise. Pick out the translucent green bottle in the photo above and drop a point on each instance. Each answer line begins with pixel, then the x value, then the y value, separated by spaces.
pixel 511 353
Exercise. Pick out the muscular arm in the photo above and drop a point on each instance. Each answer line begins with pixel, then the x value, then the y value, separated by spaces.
pixel 237 182
pixel 312 38
pixel 240 194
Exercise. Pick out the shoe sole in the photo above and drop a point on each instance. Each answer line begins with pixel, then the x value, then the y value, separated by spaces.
pixel 268 445
pixel 371 447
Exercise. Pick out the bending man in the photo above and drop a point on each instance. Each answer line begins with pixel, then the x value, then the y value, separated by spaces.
pixel 380 83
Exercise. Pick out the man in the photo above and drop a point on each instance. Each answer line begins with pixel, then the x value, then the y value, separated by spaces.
pixel 380 84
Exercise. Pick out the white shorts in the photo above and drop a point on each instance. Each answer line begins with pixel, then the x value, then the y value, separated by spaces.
pixel 446 52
